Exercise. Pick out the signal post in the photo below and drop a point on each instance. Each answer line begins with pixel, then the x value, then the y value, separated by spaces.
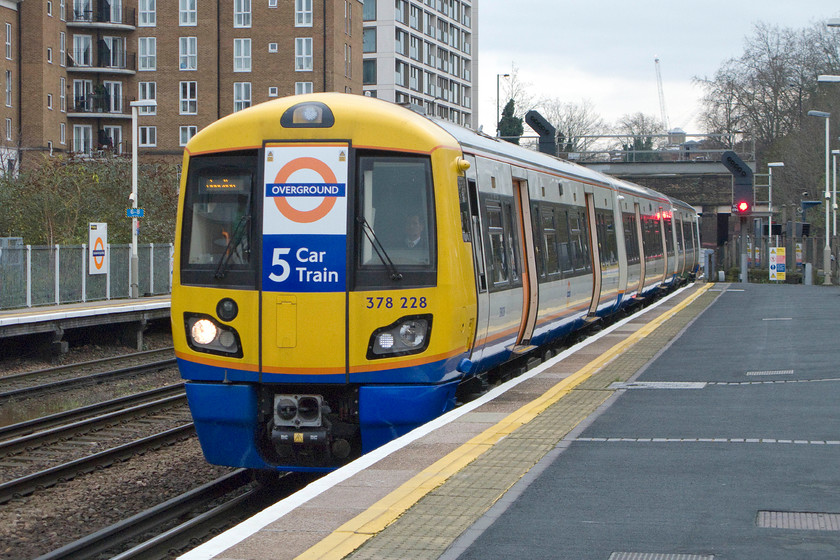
pixel 743 200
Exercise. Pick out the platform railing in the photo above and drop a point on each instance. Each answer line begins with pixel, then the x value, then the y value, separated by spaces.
pixel 32 276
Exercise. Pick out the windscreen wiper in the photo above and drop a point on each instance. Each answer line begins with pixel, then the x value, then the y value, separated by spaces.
pixel 238 232
pixel 379 249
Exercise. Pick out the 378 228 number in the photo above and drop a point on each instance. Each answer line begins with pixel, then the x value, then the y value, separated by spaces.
pixel 400 303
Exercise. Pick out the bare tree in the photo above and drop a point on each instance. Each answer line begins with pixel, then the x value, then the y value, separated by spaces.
pixel 577 123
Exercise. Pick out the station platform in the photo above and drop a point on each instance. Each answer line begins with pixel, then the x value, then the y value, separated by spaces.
pixel 133 314
pixel 706 427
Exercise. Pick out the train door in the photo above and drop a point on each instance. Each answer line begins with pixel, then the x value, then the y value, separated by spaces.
pixel 660 217
pixel 640 238
pixel 530 287
pixel 595 255
pixel 471 215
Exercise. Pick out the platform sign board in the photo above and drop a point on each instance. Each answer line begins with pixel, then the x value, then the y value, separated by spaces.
pixel 799 254
pixel 305 217
pixel 777 264
pixel 97 248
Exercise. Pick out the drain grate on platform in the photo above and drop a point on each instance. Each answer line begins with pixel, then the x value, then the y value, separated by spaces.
pixel 772 372
pixel 658 556
pixel 798 520
pixel 658 385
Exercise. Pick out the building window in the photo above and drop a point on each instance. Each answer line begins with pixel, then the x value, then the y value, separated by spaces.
pixel 369 40
pixel 188 53
pixel 187 132
pixel 369 72
pixel 82 138
pixel 189 98
pixel 8 129
pixel 9 41
pixel 242 55
pixel 62 48
pixel 62 134
pixel 303 54
pixel 113 135
pixel 242 13
pixel 8 88
pixel 241 95
pixel 303 13
pixel 147 13
pixel 114 55
pixel 62 94
pixel 62 10
pixel 272 47
pixel 49 55
pixel 303 87
pixel 49 8
pixel 348 17
pixel 348 61
pixel 272 3
pixel 147 91
pixel 114 97
pixel 369 10
pixel 187 14
pixel 82 50
pixel 49 101
pixel 147 53
pixel 148 136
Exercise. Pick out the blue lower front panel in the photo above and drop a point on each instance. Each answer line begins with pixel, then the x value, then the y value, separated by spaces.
pixel 388 411
pixel 225 417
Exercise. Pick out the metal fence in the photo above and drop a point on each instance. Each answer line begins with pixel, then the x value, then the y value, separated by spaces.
pixel 51 275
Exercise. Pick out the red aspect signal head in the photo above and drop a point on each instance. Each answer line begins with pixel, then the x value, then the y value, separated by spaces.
pixel 743 206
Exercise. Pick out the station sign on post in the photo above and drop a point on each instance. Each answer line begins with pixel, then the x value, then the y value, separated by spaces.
pixel 777 264
pixel 134 213
pixel 97 248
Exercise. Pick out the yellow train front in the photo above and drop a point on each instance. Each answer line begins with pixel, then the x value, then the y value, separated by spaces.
pixel 315 313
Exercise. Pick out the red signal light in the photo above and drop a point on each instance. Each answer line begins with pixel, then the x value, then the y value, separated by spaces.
pixel 743 206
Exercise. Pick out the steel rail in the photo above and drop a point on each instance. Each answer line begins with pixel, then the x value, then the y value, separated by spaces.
pixel 44 479
pixel 66 431
pixel 45 422
pixel 89 379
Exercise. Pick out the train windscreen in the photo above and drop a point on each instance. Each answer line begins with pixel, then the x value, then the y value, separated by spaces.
pixel 218 225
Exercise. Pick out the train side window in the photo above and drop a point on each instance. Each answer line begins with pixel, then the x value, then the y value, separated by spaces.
pixel 631 238
pixel 498 251
pixel 607 243
pixel 579 241
pixel 567 251
pixel 551 257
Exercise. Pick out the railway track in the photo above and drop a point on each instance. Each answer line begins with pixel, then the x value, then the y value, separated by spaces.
pixel 44 381
pixel 156 532
pixel 43 458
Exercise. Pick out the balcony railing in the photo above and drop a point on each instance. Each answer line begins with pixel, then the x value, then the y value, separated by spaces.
pixel 104 13
pixel 105 58
pixel 100 103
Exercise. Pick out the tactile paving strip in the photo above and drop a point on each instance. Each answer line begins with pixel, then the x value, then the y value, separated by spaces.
pixel 798 520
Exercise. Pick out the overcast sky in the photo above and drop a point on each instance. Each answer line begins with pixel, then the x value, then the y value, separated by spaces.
pixel 604 50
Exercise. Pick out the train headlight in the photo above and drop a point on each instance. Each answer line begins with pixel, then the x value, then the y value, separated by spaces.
pixel 408 335
pixel 205 334
pixel 204 331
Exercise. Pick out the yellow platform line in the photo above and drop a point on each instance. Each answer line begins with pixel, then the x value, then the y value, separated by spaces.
pixel 351 535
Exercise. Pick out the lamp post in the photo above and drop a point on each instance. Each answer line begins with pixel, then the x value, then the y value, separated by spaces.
pixel 770 167
pixel 498 117
pixel 827 250
pixel 134 287
pixel 834 154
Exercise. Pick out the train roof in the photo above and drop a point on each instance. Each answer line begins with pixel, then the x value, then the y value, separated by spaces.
pixel 484 143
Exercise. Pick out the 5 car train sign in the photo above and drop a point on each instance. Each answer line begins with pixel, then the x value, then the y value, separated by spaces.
pixel 305 217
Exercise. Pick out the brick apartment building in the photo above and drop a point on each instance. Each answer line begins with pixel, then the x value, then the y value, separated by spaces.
pixel 71 67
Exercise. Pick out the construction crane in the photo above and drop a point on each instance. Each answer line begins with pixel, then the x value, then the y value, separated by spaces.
pixel 662 109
